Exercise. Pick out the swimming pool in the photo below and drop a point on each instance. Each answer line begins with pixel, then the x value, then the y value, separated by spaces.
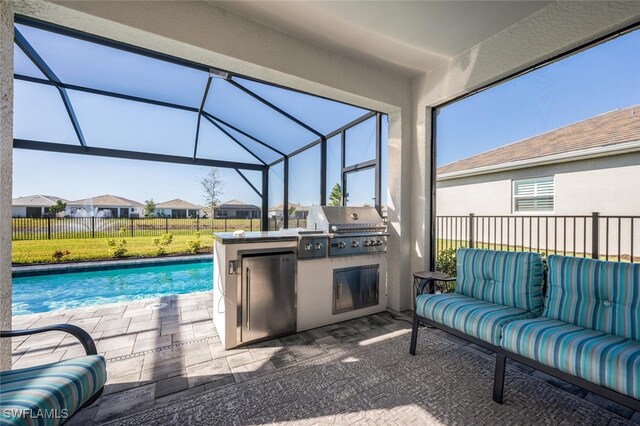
pixel 43 293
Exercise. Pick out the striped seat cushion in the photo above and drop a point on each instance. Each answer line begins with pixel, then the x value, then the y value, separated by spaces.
pixel 474 317
pixel 505 278
pixel 603 296
pixel 601 358
pixel 62 387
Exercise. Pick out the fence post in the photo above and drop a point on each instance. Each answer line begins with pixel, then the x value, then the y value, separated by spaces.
pixel 48 227
pixel 93 226
pixel 471 230
pixel 166 225
pixel 595 235
pixel 131 219
pixel 225 224
pixel 251 224
pixel 198 223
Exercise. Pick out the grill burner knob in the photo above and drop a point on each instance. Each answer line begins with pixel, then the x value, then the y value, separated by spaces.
pixel 318 246
pixel 378 242
pixel 367 243
pixel 354 244
pixel 308 247
pixel 341 244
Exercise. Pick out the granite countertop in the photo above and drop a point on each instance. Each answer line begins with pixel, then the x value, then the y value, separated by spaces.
pixel 256 237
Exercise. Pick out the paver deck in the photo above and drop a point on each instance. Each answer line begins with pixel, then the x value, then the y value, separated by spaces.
pixel 158 356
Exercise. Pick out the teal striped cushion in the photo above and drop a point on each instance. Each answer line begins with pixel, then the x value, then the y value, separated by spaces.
pixel 601 358
pixel 505 278
pixel 471 316
pixel 603 296
pixel 64 385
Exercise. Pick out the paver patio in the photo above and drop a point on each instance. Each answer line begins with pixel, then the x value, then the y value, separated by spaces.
pixel 156 357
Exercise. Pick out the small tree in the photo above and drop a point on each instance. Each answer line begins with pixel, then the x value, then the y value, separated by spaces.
pixel 58 207
pixel 149 208
pixel 335 197
pixel 212 188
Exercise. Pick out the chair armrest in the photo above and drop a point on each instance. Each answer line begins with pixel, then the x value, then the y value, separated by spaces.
pixel 84 337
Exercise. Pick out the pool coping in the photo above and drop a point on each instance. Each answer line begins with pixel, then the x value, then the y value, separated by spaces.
pixel 71 267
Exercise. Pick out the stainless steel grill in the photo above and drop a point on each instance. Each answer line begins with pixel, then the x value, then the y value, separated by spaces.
pixel 347 231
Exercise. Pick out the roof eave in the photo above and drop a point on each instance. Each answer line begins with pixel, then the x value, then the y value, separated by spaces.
pixel 564 157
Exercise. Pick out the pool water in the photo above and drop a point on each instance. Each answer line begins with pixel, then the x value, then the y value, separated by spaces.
pixel 45 293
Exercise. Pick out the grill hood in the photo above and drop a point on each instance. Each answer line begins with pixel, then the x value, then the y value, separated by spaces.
pixel 337 219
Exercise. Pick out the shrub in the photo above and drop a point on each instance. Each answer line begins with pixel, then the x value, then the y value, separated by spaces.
pixel 446 263
pixel 59 254
pixel 162 243
pixel 117 248
pixel 194 245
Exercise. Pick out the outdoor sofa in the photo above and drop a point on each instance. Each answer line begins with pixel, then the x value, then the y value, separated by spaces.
pixel 586 329
pixel 51 394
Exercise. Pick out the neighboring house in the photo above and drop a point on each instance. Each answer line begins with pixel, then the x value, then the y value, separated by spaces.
pixel 586 167
pixel 296 211
pixel 589 166
pixel 237 209
pixel 33 205
pixel 178 209
pixel 105 206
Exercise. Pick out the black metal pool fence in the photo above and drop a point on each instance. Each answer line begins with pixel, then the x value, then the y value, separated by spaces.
pixel 596 236
pixel 50 228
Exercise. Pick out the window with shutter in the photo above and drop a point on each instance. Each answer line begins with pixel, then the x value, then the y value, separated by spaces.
pixel 533 195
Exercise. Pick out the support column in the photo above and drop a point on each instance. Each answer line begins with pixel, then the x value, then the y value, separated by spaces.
pixel 265 199
pixel 6 165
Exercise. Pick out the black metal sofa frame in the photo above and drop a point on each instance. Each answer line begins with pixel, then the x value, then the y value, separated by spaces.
pixel 85 339
pixel 501 362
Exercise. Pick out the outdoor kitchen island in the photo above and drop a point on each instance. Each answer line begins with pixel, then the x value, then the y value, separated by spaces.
pixel 269 284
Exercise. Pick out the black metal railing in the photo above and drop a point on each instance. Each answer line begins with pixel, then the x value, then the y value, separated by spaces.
pixel 596 236
pixel 50 228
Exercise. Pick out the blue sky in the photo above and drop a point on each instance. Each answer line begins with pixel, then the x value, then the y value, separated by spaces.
pixel 592 82
pixel 39 114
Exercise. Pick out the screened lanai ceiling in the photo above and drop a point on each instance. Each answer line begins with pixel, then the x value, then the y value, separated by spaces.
pixel 77 93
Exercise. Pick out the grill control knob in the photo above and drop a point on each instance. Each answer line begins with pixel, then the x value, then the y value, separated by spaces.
pixel 308 247
pixel 378 242
pixel 366 243
pixel 341 244
pixel 354 244
pixel 319 246
pixel 372 243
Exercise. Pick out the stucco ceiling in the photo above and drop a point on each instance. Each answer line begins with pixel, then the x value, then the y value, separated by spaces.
pixel 406 36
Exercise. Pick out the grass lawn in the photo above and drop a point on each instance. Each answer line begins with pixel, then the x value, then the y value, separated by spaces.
pixel 25 252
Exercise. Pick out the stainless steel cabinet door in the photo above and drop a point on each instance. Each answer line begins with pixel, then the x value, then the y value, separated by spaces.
pixel 268 296
pixel 355 288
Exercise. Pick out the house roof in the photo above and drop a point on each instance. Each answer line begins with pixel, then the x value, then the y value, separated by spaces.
pixel 237 204
pixel 106 200
pixel 605 130
pixel 297 207
pixel 36 200
pixel 178 204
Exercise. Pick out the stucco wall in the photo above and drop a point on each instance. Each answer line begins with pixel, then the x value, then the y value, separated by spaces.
pixel 607 185
pixel 552 30
pixel 6 159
